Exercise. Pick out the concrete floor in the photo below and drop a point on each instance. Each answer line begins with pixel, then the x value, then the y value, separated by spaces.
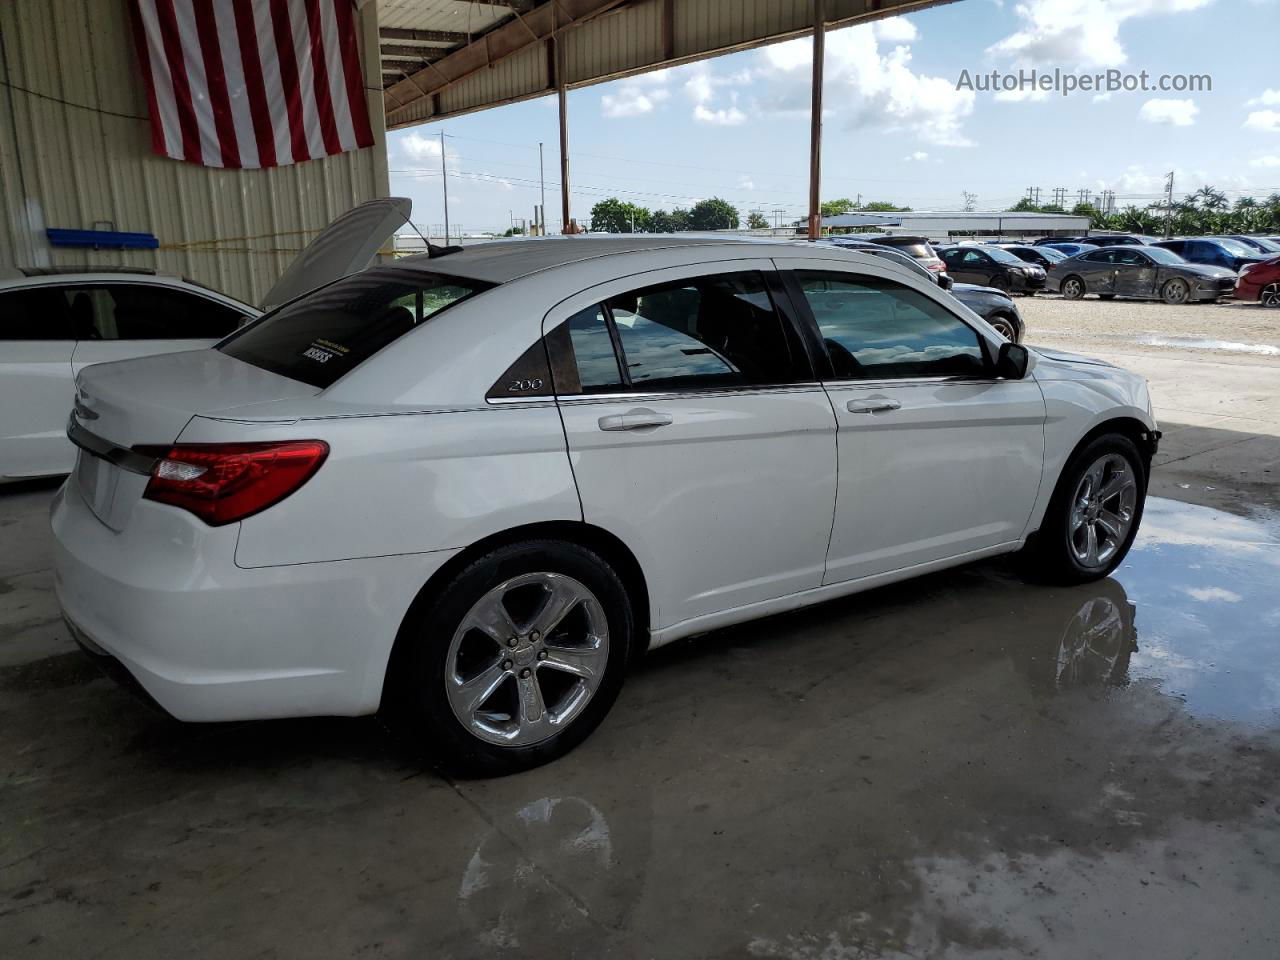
pixel 963 766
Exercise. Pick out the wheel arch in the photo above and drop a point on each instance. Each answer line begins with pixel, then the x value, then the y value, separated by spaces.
pixel 1143 437
pixel 576 532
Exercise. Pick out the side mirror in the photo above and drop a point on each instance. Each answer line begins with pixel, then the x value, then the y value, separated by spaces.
pixel 945 281
pixel 1012 361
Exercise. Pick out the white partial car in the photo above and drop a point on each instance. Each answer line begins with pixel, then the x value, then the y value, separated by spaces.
pixel 469 489
pixel 55 321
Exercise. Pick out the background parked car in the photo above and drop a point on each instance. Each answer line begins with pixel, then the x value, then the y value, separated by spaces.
pixel 1145 273
pixel 1260 282
pixel 894 255
pixel 1119 239
pixel 1213 252
pixel 1264 246
pixel 917 247
pixel 991 266
pixel 55 322
pixel 1041 256
pixel 1071 249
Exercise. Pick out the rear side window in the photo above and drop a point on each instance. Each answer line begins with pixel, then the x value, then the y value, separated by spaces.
pixel 40 313
pixel 712 332
pixel 329 332
pixel 137 311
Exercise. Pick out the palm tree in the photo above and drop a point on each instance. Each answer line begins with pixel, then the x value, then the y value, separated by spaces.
pixel 1209 198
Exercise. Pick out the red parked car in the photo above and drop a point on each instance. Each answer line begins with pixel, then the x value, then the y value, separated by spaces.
pixel 1260 282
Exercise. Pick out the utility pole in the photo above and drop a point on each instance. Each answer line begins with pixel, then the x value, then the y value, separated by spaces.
pixel 542 208
pixel 1168 209
pixel 444 178
pixel 1060 196
pixel 970 200
pixel 815 120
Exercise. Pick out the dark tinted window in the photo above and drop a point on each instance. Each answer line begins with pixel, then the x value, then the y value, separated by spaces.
pixel 877 329
pixel 329 332
pixel 138 311
pixel 1127 255
pixel 708 332
pixel 1098 256
pixel 37 314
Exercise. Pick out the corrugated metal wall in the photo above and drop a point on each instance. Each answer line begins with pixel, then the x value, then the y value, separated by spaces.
pixel 75 152
pixel 629 39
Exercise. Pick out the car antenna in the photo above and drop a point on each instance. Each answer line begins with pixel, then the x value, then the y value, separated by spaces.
pixel 434 250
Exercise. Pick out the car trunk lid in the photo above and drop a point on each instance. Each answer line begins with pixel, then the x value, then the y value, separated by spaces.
pixel 131 404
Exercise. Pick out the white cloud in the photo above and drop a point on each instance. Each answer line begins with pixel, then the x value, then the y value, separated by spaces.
pixel 1268 120
pixel 1265 162
pixel 918 157
pixel 418 147
pixel 632 100
pixel 746 183
pixel 1207 594
pixel 1177 113
pixel 871 88
pixel 1071 33
pixel 1102 97
pixel 1268 98
pixel 895 30
pixel 1022 95
pixel 724 117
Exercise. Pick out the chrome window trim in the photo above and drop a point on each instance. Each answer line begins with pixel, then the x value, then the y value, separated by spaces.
pixel 640 395
pixel 910 381
pixel 104 449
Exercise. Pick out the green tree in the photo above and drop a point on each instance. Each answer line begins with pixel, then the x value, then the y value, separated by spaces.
pixel 833 208
pixel 1025 205
pixel 513 232
pixel 616 216
pixel 681 220
pixel 882 206
pixel 1208 198
pixel 1086 210
pixel 713 214
pixel 756 220
pixel 661 222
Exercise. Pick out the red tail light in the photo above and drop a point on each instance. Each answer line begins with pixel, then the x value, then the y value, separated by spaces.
pixel 224 482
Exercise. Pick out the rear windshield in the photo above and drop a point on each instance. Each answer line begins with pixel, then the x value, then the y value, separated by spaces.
pixel 327 333
pixel 919 249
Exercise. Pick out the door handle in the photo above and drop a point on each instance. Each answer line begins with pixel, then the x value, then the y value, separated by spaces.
pixel 635 420
pixel 872 405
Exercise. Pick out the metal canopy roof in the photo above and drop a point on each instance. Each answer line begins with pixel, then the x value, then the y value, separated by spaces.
pixel 442 58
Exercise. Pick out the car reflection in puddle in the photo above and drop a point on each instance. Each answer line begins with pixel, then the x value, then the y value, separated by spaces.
pixel 1205 585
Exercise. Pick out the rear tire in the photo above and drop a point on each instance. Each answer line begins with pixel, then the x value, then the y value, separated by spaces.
pixel 1072 288
pixel 1094 515
pixel 1270 295
pixel 547 690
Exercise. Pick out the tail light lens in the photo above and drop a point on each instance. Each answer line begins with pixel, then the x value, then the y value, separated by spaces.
pixel 224 482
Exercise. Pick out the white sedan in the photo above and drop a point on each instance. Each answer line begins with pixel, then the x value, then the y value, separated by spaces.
pixel 468 489
pixel 55 321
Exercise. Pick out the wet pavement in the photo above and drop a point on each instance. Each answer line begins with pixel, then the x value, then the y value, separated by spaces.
pixel 960 766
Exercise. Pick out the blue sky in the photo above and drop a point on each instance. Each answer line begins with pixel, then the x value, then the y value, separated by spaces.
pixel 895 126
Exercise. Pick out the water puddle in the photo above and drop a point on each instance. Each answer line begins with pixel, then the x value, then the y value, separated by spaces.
pixel 1209 343
pixel 1204 586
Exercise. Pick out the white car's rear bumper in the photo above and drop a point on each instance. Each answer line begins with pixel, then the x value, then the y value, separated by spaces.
pixel 212 641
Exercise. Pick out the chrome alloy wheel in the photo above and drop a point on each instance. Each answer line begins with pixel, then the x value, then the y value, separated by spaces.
pixel 527 658
pixel 1102 511
pixel 1270 296
pixel 1003 327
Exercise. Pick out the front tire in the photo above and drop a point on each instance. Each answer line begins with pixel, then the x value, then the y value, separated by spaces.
pixel 1175 292
pixel 1270 295
pixel 1094 515
pixel 515 661
pixel 1005 326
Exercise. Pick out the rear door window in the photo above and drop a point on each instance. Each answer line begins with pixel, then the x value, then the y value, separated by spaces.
pixel 712 332
pixel 138 311
pixel 39 313
pixel 327 333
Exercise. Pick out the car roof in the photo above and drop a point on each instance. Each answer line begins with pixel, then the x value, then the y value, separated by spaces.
pixel 505 260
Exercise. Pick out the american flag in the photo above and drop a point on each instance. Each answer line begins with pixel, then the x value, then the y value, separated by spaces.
pixel 252 83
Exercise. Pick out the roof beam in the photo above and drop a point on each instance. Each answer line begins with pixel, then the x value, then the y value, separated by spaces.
pixel 400 50
pixel 502 41
pixel 422 36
